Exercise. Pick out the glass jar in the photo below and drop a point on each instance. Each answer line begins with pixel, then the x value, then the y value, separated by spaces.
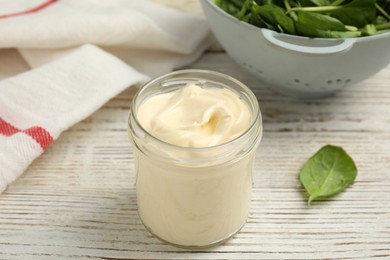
pixel 194 197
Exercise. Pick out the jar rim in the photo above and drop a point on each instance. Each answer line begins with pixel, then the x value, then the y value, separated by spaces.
pixel 256 109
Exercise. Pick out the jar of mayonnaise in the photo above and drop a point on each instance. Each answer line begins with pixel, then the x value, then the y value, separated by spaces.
pixel 195 135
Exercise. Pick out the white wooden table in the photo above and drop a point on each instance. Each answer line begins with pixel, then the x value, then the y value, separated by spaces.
pixel 77 201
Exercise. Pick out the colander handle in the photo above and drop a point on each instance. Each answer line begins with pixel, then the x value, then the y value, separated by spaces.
pixel 344 45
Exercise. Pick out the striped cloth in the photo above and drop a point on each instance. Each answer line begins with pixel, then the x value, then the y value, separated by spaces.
pixel 82 53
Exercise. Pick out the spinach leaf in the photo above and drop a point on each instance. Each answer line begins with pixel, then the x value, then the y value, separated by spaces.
pixel 321 21
pixel 257 20
pixel 319 25
pixel 303 29
pixel 229 6
pixel 327 172
pixel 357 13
pixel 275 15
pixel 314 18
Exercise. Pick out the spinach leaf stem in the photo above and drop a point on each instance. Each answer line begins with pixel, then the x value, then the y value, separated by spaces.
pixel 291 13
pixel 383 26
pixel 244 9
pixel 383 12
pixel 316 9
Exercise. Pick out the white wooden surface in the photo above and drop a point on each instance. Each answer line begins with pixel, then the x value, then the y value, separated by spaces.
pixel 77 201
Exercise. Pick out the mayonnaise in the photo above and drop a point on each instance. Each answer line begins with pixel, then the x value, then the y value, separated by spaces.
pixel 195 145
pixel 195 116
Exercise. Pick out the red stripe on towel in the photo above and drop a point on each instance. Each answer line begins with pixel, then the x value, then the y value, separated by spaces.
pixel 30 11
pixel 39 134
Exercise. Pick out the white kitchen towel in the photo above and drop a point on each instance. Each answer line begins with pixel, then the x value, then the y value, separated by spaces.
pixel 150 37
pixel 82 53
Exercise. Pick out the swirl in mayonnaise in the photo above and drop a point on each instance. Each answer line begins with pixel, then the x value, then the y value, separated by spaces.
pixel 194 116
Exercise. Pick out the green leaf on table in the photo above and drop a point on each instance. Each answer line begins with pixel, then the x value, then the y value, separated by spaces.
pixel 327 172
